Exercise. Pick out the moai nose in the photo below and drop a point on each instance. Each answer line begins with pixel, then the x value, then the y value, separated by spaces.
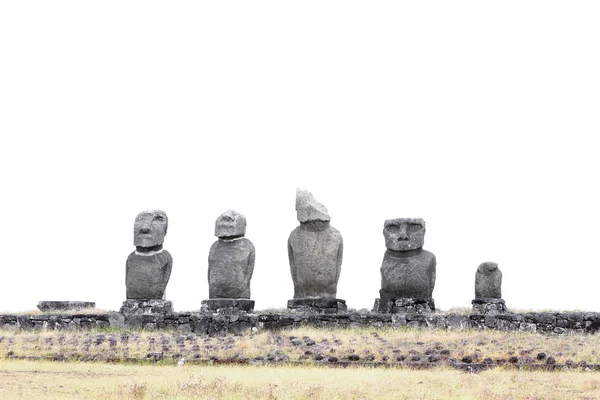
pixel 402 235
pixel 145 229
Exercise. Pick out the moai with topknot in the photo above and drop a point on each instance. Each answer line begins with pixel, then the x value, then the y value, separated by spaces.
pixel 315 251
pixel 408 271
pixel 488 290
pixel 148 268
pixel 230 266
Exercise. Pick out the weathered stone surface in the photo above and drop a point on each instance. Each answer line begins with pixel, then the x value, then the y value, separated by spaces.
pixel 321 305
pixel 231 259
pixel 315 251
pixel 64 305
pixel 407 271
pixel 308 209
pixel 489 306
pixel 156 306
pixel 221 324
pixel 230 224
pixel 488 281
pixel 227 306
pixel 404 306
pixel 148 268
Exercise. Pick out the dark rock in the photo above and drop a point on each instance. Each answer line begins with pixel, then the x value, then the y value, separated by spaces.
pixel 407 270
pixel 488 281
pixel 318 357
pixel 353 357
pixel 310 342
pixel 227 306
pixel 467 359
pixel 148 269
pixel 315 250
pixel 541 356
pixel 433 358
pixel 513 359
pixel 296 342
pixel 332 359
pixel 231 259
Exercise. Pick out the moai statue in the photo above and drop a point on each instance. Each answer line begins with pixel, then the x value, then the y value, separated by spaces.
pixel 148 268
pixel 315 250
pixel 407 271
pixel 488 290
pixel 230 266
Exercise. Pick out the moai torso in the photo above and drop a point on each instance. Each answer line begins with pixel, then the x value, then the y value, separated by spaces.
pixel 147 275
pixel 315 250
pixel 407 270
pixel 488 281
pixel 231 259
pixel 315 261
pixel 148 268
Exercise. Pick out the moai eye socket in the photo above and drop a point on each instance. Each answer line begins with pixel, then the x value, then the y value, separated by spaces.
pixel 414 228
pixel 392 228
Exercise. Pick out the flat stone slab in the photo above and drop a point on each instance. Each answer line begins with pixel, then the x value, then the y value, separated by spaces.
pixel 404 306
pixel 323 305
pixel 227 306
pixel 141 307
pixel 489 306
pixel 65 305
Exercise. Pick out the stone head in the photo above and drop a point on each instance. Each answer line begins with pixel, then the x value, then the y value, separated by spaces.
pixel 487 268
pixel 308 209
pixel 150 228
pixel 230 224
pixel 404 234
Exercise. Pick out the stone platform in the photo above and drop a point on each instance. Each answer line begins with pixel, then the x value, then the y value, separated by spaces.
pixel 317 305
pixel 141 307
pixel 65 305
pixel 489 306
pixel 404 306
pixel 227 306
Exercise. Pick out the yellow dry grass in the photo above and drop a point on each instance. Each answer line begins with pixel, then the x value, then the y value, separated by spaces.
pixel 51 380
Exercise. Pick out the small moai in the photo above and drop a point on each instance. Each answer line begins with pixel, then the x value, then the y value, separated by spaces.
pixel 488 290
pixel 148 268
pixel 407 271
pixel 230 267
pixel 315 250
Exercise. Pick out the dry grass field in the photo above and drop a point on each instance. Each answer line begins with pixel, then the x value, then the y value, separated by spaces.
pixel 296 364
pixel 76 380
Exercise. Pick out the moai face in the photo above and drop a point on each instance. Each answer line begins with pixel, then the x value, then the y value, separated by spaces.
pixel 150 228
pixel 230 224
pixel 404 234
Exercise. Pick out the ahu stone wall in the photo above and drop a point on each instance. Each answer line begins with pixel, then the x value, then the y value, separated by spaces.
pixel 222 324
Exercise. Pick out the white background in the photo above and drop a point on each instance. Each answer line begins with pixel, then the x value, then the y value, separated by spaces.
pixel 479 117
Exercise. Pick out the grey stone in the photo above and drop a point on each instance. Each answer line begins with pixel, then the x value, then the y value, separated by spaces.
pixel 147 307
pixel 227 306
pixel 315 250
pixel 319 305
pixel 407 270
pixel 231 259
pixel 148 268
pixel 488 281
pixel 488 306
pixel 65 305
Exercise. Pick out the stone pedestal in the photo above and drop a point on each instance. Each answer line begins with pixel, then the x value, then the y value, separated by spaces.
pixel 404 306
pixel 140 307
pixel 65 305
pixel 227 306
pixel 488 306
pixel 317 305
